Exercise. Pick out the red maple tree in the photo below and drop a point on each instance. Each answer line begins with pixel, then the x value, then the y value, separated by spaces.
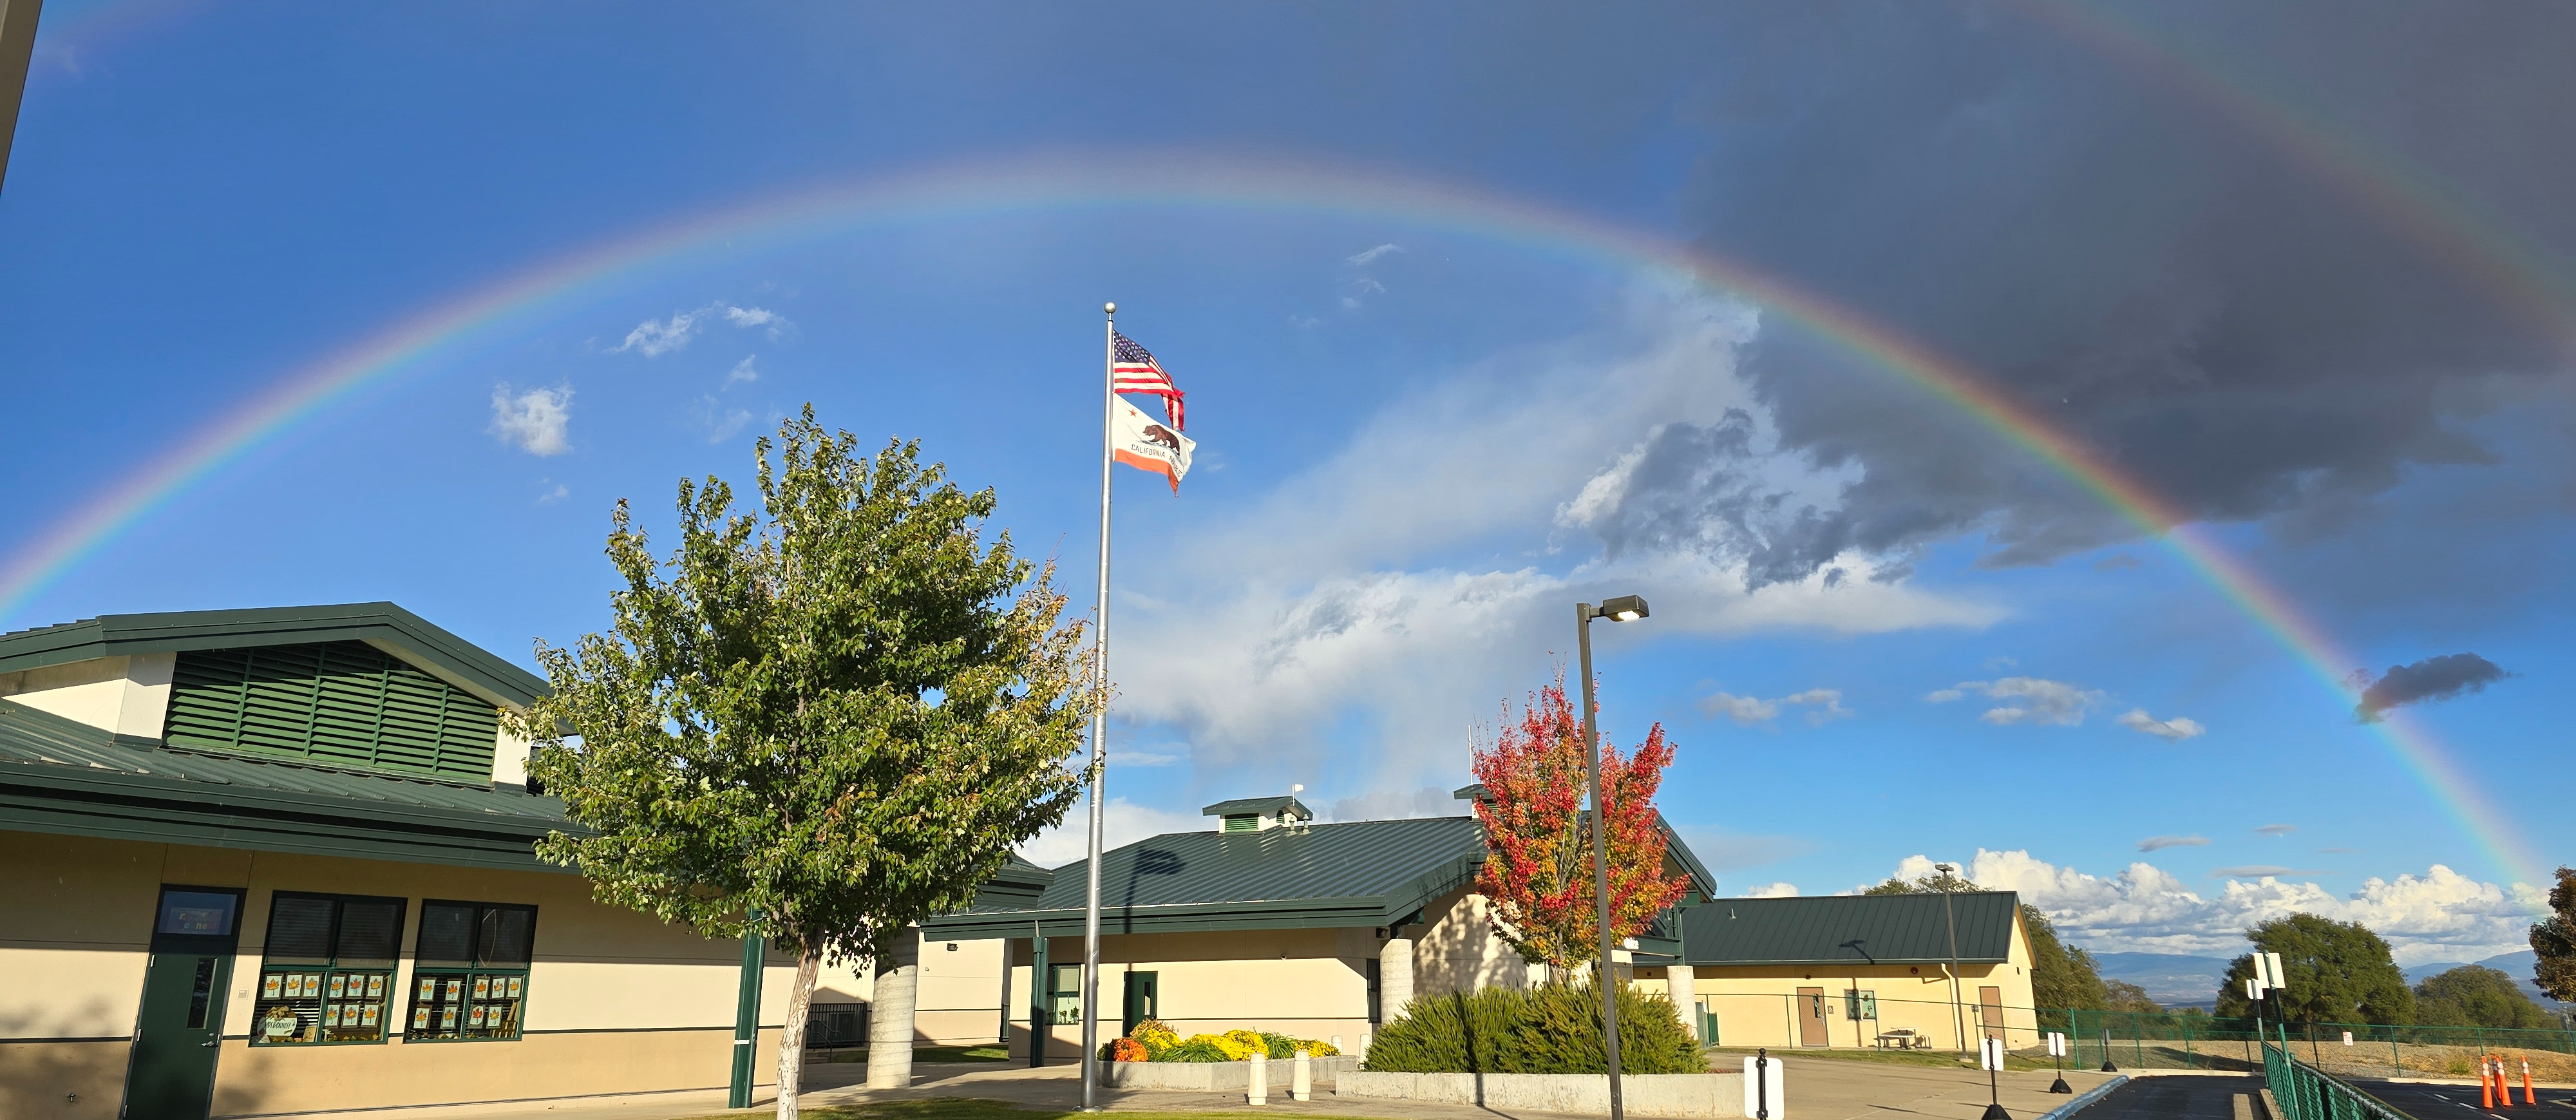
pixel 1538 863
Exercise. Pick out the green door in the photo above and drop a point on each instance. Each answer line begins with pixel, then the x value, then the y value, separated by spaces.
pixel 179 1032
pixel 1138 1005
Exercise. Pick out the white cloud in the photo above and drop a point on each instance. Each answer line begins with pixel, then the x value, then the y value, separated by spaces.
pixel 559 493
pixel 747 370
pixel 656 337
pixel 1148 758
pixel 1125 823
pixel 2027 700
pixel 1346 593
pixel 2172 730
pixel 1388 805
pixel 534 421
pixel 2160 843
pixel 2267 830
pixel 1362 259
pixel 1769 890
pixel 1824 706
pixel 720 423
pixel 2438 915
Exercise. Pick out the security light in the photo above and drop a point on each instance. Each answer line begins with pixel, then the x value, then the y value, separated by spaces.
pixel 1624 608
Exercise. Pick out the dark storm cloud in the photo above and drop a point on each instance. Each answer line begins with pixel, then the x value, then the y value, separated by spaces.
pixel 2434 678
pixel 2210 314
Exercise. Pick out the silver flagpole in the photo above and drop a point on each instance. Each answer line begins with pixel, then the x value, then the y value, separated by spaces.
pixel 1099 728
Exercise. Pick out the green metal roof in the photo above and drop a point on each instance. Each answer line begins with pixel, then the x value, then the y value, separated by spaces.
pixel 62 776
pixel 1365 873
pixel 1242 806
pixel 1845 929
pixel 382 624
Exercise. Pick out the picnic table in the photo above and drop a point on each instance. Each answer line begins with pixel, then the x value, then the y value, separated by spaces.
pixel 1901 1039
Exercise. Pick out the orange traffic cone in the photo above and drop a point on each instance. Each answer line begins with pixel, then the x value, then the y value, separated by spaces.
pixel 2527 1098
pixel 2486 1084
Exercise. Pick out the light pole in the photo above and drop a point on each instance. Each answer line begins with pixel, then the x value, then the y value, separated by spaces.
pixel 1958 1019
pixel 1624 608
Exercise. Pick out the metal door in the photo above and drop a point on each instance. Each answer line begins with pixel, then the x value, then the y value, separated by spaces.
pixel 178 1034
pixel 1811 1017
pixel 1138 1003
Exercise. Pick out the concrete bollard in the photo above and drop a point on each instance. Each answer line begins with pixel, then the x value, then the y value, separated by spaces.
pixel 1301 1080
pixel 1259 1091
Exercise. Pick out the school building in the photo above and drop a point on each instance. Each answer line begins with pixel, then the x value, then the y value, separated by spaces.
pixel 265 862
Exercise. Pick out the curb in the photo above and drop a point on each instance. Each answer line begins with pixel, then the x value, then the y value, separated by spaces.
pixel 2089 1096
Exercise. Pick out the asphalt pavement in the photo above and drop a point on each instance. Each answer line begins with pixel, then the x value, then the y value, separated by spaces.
pixel 2175 1098
pixel 2429 1101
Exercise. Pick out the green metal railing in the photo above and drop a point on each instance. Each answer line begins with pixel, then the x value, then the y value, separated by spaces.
pixel 2309 1093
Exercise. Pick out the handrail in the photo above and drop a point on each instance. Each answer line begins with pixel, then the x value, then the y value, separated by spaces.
pixel 2309 1093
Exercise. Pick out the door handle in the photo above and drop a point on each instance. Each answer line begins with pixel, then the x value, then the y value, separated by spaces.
pixel 211 1043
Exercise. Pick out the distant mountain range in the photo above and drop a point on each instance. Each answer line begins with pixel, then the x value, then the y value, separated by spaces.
pixel 2179 980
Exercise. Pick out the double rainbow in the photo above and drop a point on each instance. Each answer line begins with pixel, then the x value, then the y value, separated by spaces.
pixel 1034 185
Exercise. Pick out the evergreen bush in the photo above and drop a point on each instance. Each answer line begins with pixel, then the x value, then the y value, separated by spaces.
pixel 1554 1028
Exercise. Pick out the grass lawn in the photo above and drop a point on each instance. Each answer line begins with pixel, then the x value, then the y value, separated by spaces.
pixel 966 1109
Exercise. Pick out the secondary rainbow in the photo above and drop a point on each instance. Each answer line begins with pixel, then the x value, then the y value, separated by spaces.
pixel 983 189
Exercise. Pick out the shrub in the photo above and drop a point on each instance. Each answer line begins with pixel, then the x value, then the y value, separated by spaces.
pixel 1154 1034
pixel 1554 1028
pixel 1129 1050
pixel 1196 1048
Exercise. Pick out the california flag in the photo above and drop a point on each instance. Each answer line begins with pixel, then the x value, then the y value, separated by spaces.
pixel 1147 444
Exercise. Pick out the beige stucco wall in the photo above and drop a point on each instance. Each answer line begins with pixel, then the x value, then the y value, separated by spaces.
pixel 126 695
pixel 1458 951
pixel 1758 1006
pixel 1310 983
pixel 617 1001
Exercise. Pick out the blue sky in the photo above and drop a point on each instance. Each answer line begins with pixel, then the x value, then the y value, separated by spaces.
pixel 1420 440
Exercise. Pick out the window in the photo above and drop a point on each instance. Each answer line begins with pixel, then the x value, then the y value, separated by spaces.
pixel 470 972
pixel 326 970
pixel 1064 993
pixel 1859 1004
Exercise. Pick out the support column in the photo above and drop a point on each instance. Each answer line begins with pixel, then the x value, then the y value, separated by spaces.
pixel 746 1022
pixel 1681 980
pixel 890 1006
pixel 1040 1014
pixel 1394 977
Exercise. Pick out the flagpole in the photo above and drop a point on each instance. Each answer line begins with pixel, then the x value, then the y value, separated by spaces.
pixel 1099 726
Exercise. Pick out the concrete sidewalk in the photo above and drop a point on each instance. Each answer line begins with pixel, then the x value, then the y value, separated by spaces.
pixel 1818 1089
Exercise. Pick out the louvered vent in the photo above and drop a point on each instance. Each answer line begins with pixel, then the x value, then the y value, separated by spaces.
pixel 334 703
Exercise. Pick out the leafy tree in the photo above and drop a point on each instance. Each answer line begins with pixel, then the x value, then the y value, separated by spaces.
pixel 1538 866
pixel 2060 974
pixel 2554 941
pixel 2339 972
pixel 2121 995
pixel 819 724
pixel 2476 996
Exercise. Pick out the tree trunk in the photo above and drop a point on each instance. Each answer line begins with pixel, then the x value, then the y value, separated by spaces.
pixel 791 1038
pixel 891 1001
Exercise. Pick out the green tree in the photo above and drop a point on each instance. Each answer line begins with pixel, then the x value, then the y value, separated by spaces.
pixel 2121 995
pixel 2338 972
pixel 819 724
pixel 2554 940
pixel 2060 974
pixel 2476 996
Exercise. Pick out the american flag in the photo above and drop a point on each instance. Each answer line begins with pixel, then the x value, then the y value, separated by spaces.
pixel 1132 370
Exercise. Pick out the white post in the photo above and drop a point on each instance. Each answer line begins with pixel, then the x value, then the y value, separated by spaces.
pixel 1301 1081
pixel 1259 1091
pixel 1099 726
pixel 1682 981
pixel 890 1008
pixel 1394 978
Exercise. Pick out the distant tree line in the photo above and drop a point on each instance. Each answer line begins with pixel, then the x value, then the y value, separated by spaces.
pixel 2338 972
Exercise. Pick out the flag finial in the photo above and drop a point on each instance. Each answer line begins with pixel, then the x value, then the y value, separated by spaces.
pixel 1110 308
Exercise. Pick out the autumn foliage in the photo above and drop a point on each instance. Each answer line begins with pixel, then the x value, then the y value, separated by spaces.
pixel 1538 863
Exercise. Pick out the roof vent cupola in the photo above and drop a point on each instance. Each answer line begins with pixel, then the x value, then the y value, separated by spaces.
pixel 1258 814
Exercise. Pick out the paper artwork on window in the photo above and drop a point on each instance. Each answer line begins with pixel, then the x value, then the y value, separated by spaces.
pixel 514 987
pixel 270 985
pixel 455 987
pixel 420 1018
pixel 376 988
pixel 447 1018
pixel 369 1015
pixel 482 987
pixel 338 983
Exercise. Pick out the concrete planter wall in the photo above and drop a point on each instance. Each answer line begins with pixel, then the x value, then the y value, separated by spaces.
pixel 1642 1094
pixel 1212 1076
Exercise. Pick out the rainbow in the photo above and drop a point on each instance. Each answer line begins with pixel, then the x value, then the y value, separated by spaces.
pixel 1055 184
pixel 2369 179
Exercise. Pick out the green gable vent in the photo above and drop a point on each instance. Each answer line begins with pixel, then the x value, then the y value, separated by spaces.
pixel 334 704
pixel 1245 822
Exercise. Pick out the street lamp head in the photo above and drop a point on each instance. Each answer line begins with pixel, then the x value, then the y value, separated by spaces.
pixel 1624 608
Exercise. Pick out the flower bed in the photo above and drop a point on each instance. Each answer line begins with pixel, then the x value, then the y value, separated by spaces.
pixel 1151 1041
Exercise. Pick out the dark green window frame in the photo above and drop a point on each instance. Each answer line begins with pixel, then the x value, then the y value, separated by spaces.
pixel 339 989
pixel 470 971
pixel 1064 994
